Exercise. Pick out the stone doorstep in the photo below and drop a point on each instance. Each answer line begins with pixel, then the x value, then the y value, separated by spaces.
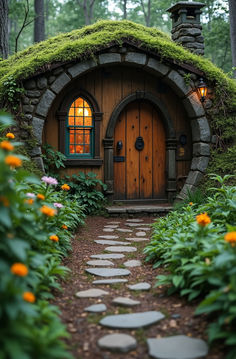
pixel 157 209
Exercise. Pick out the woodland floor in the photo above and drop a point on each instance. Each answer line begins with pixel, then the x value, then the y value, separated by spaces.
pixel 84 327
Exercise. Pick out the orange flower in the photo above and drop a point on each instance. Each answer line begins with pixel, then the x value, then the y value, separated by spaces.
pixel 5 201
pixel 40 196
pixel 19 269
pixel 64 226
pixel 10 135
pixel 190 203
pixel 29 297
pixel 203 219
pixel 54 238
pixel 231 238
pixel 29 201
pixel 48 211
pixel 6 145
pixel 13 161
pixel 65 187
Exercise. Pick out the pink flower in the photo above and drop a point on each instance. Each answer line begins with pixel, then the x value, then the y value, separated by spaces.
pixel 58 205
pixel 30 195
pixel 49 180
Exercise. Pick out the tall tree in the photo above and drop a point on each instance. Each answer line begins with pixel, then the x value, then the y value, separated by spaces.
pixel 87 8
pixel 124 9
pixel 232 18
pixel 39 25
pixel 146 11
pixel 4 28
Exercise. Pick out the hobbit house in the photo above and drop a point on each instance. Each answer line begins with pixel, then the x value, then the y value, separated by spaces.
pixel 121 100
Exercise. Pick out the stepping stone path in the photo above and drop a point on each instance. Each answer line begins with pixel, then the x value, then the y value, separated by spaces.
pixel 118 342
pixel 170 347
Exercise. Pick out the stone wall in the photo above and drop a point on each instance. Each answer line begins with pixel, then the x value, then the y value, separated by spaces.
pixel 190 36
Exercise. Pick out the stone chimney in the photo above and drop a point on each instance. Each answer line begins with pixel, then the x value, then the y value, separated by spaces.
pixel 186 26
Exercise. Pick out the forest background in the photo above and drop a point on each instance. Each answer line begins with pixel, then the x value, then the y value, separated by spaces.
pixel 30 21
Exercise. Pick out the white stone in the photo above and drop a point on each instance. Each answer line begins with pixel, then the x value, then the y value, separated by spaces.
pixel 134 220
pixel 108 272
pixel 91 293
pixel 120 249
pixel 140 286
pixel 144 228
pixel 134 320
pixel 117 342
pixel 133 263
pixel 141 234
pixel 100 263
pixel 113 222
pixel 110 243
pixel 111 226
pixel 96 308
pixel 108 230
pixel 108 237
pixel 140 239
pixel 124 230
pixel 126 302
pixel 108 256
pixel 110 281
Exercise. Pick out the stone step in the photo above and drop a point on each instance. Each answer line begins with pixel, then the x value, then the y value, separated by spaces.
pixel 125 301
pixel 100 262
pixel 96 308
pixel 110 281
pixel 108 272
pixel 108 242
pixel 139 209
pixel 131 321
pixel 91 293
pixel 120 249
pixel 108 256
pixel 117 342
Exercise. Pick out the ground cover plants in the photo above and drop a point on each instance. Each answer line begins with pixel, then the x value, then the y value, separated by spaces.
pixel 37 220
pixel 197 247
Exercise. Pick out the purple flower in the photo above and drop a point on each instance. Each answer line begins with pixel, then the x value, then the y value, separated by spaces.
pixel 58 205
pixel 30 195
pixel 49 180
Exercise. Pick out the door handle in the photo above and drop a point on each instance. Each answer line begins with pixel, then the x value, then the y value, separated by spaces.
pixel 139 143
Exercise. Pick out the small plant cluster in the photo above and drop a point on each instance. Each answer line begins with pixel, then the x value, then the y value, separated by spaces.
pixel 36 224
pixel 87 187
pixel 197 247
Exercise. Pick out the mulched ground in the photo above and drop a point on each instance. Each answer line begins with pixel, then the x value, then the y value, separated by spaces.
pixel 84 327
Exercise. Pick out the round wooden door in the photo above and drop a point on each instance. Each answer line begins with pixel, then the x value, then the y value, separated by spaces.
pixel 139 153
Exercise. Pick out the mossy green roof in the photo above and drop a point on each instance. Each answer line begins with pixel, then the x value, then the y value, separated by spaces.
pixel 84 43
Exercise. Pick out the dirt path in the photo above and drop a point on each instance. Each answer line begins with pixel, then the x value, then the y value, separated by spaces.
pixel 84 327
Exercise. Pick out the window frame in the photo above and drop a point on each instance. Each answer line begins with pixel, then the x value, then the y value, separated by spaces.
pixel 62 117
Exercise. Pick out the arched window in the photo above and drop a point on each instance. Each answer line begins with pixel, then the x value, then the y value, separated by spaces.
pixel 80 130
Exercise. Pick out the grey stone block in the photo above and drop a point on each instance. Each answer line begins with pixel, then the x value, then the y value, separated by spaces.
pixel 194 177
pixel 34 101
pixel 200 130
pixel 58 71
pixel 37 125
pixel 78 69
pixel 200 163
pixel 42 82
pixel 60 82
pixel 117 342
pixel 109 58
pixel 200 39
pixel 28 108
pixel 45 103
pixel 194 45
pixel 33 93
pixel 188 188
pixel 177 83
pixel 193 105
pixel 184 39
pixel 39 163
pixel 135 57
pixel 51 79
pixel 25 100
pixel 159 68
pixel 30 84
pixel 189 32
pixel 36 151
pixel 28 117
pixel 201 149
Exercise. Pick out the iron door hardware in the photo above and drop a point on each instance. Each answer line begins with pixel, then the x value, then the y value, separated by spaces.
pixel 139 144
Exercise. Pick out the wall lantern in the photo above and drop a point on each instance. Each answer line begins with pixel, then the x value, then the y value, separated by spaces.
pixel 202 90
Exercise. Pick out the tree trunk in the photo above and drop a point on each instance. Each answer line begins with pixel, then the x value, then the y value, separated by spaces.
pixel 232 19
pixel 147 14
pixel 39 26
pixel 87 8
pixel 4 29
pixel 125 10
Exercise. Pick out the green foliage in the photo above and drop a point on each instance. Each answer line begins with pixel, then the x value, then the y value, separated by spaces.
pixel 52 160
pixel 199 261
pixel 12 92
pixel 32 329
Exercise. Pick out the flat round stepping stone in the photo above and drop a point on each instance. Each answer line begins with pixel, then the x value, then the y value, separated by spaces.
pixel 108 230
pixel 108 256
pixel 117 342
pixel 124 230
pixel 134 220
pixel 111 226
pixel 140 286
pixel 100 262
pixel 113 222
pixel 110 281
pixel 141 234
pixel 96 308
pixel 108 237
pixel 133 320
pixel 177 347
pixel 137 239
pixel 144 228
pixel 91 293
pixel 108 272
pixel 126 302
pixel 120 249
pixel 132 263
pixel 108 242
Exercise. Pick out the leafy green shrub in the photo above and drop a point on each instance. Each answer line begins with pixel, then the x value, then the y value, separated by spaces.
pixel 53 160
pixel 35 230
pixel 197 247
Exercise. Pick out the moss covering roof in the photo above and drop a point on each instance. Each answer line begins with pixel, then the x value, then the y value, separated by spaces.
pixel 85 42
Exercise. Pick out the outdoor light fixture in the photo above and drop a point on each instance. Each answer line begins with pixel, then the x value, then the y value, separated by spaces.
pixel 202 89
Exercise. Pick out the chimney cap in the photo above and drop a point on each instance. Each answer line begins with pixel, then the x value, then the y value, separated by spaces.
pixel 185 4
